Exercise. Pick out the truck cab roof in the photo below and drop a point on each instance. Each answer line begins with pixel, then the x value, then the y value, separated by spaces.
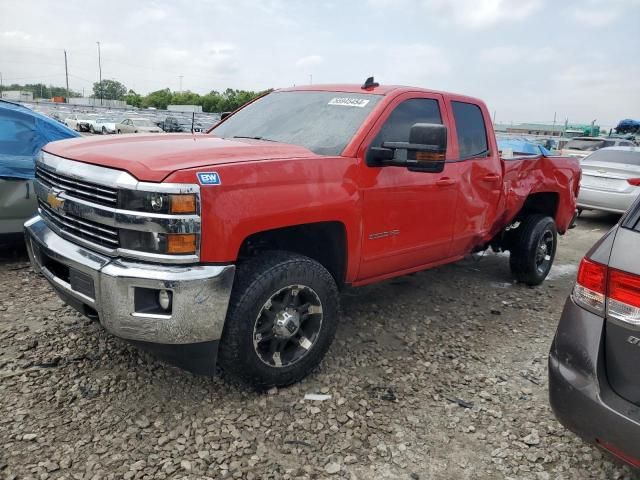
pixel 377 90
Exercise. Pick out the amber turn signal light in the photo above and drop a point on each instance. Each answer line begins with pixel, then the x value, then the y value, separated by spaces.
pixel 183 203
pixel 181 243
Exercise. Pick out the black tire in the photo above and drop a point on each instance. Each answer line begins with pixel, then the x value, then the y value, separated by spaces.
pixel 91 129
pixel 119 132
pixel 257 282
pixel 104 131
pixel 533 249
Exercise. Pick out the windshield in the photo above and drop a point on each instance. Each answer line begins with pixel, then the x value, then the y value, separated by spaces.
pixel 143 123
pixel 323 122
pixel 103 120
pixel 628 157
pixel 584 144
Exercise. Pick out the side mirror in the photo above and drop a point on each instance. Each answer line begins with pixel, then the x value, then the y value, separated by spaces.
pixel 425 150
pixel 224 115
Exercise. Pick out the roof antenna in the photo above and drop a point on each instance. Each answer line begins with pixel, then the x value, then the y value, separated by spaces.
pixel 369 83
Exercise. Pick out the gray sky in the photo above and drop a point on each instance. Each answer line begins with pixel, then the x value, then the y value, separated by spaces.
pixel 526 58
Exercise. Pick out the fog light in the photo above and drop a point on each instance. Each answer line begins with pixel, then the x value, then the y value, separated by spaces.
pixel 164 299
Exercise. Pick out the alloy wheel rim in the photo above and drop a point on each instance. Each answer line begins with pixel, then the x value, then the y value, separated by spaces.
pixel 287 326
pixel 544 252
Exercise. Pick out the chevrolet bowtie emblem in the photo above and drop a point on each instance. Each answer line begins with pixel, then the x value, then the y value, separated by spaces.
pixel 54 201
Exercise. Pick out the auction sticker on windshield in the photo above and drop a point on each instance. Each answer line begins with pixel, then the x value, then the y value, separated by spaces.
pixel 349 102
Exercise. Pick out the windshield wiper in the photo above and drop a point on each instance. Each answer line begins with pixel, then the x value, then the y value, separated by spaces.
pixel 255 138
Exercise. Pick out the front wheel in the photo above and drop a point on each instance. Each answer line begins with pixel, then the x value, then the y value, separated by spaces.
pixel 533 249
pixel 104 130
pixel 281 320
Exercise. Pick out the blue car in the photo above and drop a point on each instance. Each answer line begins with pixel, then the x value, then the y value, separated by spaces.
pixel 23 133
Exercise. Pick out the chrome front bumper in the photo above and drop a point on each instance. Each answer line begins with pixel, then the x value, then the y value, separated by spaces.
pixel 91 282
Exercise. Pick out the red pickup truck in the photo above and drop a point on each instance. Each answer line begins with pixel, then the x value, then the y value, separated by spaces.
pixel 232 246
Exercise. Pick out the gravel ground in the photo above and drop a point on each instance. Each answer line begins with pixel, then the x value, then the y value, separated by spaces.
pixel 437 375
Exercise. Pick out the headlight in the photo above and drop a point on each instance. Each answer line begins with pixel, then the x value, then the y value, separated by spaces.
pixel 157 202
pixel 161 243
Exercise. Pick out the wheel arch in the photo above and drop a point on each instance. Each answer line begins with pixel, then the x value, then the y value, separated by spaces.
pixel 324 242
pixel 545 203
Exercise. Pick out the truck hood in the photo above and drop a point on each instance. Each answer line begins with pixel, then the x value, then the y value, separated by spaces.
pixel 152 158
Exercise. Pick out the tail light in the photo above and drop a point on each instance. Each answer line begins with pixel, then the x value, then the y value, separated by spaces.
pixel 624 296
pixel 591 285
pixel 598 286
pixel 634 181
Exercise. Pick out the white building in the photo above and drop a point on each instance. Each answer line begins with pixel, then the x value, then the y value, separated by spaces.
pixel 17 96
pixel 185 108
pixel 95 102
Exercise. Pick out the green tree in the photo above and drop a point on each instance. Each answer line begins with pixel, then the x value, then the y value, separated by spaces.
pixel 186 98
pixel 132 98
pixel 109 90
pixel 158 99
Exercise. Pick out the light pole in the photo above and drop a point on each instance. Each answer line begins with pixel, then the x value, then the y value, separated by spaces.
pixel 100 73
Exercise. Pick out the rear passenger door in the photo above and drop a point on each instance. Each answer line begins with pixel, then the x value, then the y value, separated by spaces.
pixel 479 170
pixel 407 216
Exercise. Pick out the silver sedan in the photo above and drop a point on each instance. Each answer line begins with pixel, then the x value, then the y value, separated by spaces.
pixel 610 179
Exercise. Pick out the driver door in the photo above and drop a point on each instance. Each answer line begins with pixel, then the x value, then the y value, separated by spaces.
pixel 408 217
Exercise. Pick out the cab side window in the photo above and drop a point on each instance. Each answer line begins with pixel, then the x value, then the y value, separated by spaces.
pixel 398 125
pixel 472 133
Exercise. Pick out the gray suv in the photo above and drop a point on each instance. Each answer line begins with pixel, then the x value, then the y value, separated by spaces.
pixel 594 363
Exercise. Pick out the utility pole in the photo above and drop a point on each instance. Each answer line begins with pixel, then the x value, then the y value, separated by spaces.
pixel 100 73
pixel 0 84
pixel 180 77
pixel 554 123
pixel 66 74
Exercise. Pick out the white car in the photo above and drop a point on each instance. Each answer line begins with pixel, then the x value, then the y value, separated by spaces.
pixel 610 179
pixel 102 125
pixel 79 123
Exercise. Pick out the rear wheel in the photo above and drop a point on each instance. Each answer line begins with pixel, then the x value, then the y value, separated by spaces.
pixel 533 249
pixel 91 129
pixel 104 130
pixel 281 320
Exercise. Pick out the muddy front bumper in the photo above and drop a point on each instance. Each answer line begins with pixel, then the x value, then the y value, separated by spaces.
pixel 124 294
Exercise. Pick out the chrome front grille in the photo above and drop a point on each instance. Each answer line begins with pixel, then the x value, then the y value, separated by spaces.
pixel 79 188
pixel 96 233
pixel 79 201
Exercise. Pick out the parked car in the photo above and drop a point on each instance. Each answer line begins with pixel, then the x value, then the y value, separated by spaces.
pixel 79 123
pixel 173 124
pixel 102 125
pixel 239 240
pixel 594 379
pixel 22 133
pixel 581 147
pixel 610 179
pixel 136 125
pixel 521 146
pixel 56 116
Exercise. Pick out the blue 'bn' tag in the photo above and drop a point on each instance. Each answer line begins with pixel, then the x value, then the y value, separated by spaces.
pixel 209 178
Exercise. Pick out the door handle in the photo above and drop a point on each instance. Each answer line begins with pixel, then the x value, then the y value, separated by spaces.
pixel 445 182
pixel 491 177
